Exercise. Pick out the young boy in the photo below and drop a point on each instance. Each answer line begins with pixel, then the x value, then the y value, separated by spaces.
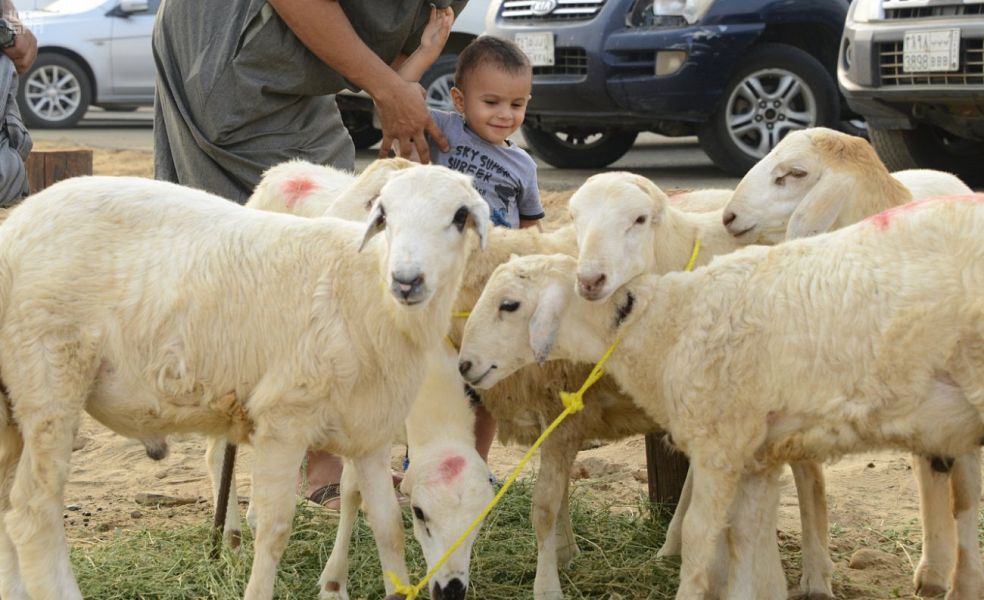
pixel 493 82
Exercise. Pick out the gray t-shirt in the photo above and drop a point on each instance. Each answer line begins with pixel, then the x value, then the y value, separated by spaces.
pixel 505 176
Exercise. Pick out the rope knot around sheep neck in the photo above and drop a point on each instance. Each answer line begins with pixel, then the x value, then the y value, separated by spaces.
pixel 573 402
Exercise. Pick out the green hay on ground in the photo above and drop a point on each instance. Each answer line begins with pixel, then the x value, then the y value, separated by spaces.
pixel 617 560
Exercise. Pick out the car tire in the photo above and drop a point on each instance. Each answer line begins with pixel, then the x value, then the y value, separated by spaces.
pixel 54 93
pixel 437 82
pixel 927 147
pixel 360 128
pixel 754 95
pixel 571 149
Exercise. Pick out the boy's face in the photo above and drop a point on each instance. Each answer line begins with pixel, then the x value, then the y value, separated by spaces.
pixel 493 101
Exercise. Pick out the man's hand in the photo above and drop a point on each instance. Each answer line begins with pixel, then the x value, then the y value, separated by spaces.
pixel 404 118
pixel 24 50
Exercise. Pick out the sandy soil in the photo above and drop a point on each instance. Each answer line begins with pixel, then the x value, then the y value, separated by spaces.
pixel 872 499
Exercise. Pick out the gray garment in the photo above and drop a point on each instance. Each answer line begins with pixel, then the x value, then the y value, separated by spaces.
pixel 505 176
pixel 15 141
pixel 237 91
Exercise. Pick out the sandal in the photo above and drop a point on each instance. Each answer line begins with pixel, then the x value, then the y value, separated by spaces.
pixel 326 494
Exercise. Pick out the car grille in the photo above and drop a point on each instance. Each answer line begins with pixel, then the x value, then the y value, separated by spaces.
pixel 567 61
pixel 971 66
pixel 537 10
pixel 905 9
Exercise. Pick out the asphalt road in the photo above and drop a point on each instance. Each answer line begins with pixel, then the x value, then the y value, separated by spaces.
pixel 670 162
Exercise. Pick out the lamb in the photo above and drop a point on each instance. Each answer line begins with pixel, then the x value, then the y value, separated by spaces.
pixel 870 336
pixel 153 305
pixel 803 187
pixel 627 226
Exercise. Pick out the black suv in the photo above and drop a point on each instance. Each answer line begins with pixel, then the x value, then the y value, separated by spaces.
pixel 915 70
pixel 739 74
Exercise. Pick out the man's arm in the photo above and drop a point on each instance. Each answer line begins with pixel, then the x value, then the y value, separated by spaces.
pixel 322 26
pixel 25 48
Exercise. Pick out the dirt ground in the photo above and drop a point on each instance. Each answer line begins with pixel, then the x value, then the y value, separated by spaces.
pixel 872 499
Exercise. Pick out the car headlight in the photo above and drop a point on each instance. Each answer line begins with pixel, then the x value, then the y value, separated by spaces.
pixel 864 11
pixel 667 13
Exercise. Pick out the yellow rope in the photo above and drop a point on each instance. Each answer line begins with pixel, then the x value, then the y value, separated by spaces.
pixel 693 256
pixel 461 314
pixel 573 402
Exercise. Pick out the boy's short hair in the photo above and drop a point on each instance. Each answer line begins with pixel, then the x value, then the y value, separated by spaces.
pixel 489 49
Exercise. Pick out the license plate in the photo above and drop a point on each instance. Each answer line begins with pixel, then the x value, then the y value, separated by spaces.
pixel 539 47
pixel 937 50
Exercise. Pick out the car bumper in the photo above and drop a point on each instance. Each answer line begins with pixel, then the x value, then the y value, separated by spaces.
pixel 872 79
pixel 610 76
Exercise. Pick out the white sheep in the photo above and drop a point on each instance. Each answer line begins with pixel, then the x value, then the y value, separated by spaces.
pixel 146 303
pixel 626 226
pixel 871 336
pixel 819 179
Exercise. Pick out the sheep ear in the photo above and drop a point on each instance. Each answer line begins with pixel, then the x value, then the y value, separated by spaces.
pixel 545 322
pixel 819 209
pixel 377 223
pixel 479 218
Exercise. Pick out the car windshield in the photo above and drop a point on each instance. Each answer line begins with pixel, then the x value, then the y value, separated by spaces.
pixel 70 6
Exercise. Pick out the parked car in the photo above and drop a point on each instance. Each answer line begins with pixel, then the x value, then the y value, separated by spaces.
pixel 739 74
pixel 357 108
pixel 90 52
pixel 915 70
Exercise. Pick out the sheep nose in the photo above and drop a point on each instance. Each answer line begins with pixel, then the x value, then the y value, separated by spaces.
pixel 455 590
pixel 728 217
pixel 591 283
pixel 407 285
pixel 464 366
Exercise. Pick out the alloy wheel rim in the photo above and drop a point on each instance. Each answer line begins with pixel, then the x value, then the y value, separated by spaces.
pixel 439 93
pixel 53 93
pixel 765 107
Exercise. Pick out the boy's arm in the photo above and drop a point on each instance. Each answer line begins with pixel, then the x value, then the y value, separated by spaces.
pixel 432 42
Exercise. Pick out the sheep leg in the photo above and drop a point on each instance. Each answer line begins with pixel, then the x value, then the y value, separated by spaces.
pixel 967 582
pixel 333 582
pixel 11 585
pixel 215 453
pixel 674 531
pixel 938 529
pixel 818 569
pixel 714 490
pixel 34 521
pixel 755 567
pixel 382 511
pixel 275 465
pixel 549 495
pixel 567 549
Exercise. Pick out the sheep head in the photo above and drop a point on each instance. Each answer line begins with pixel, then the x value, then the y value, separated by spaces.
pixel 424 212
pixel 617 217
pixel 517 319
pixel 448 486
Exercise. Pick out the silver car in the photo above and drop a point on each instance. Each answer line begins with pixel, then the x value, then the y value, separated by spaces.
pixel 90 53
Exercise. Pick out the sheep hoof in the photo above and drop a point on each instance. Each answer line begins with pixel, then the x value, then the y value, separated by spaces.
pixel 930 590
pixel 234 539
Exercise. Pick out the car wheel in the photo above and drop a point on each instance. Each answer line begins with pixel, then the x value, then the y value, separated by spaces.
pixel 928 147
pixel 54 93
pixel 437 82
pixel 360 129
pixel 778 89
pixel 577 148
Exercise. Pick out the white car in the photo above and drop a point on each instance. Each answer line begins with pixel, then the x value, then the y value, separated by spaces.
pixel 90 52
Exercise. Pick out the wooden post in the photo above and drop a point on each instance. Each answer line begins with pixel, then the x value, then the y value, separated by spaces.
pixel 666 469
pixel 45 167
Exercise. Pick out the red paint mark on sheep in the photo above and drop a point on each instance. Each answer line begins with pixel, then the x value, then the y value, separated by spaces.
pixel 883 219
pixel 294 190
pixel 451 467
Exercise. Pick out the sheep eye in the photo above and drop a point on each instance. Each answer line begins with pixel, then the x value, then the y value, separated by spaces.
pixel 780 181
pixel 640 219
pixel 381 219
pixel 419 513
pixel 509 306
pixel 798 173
pixel 460 217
